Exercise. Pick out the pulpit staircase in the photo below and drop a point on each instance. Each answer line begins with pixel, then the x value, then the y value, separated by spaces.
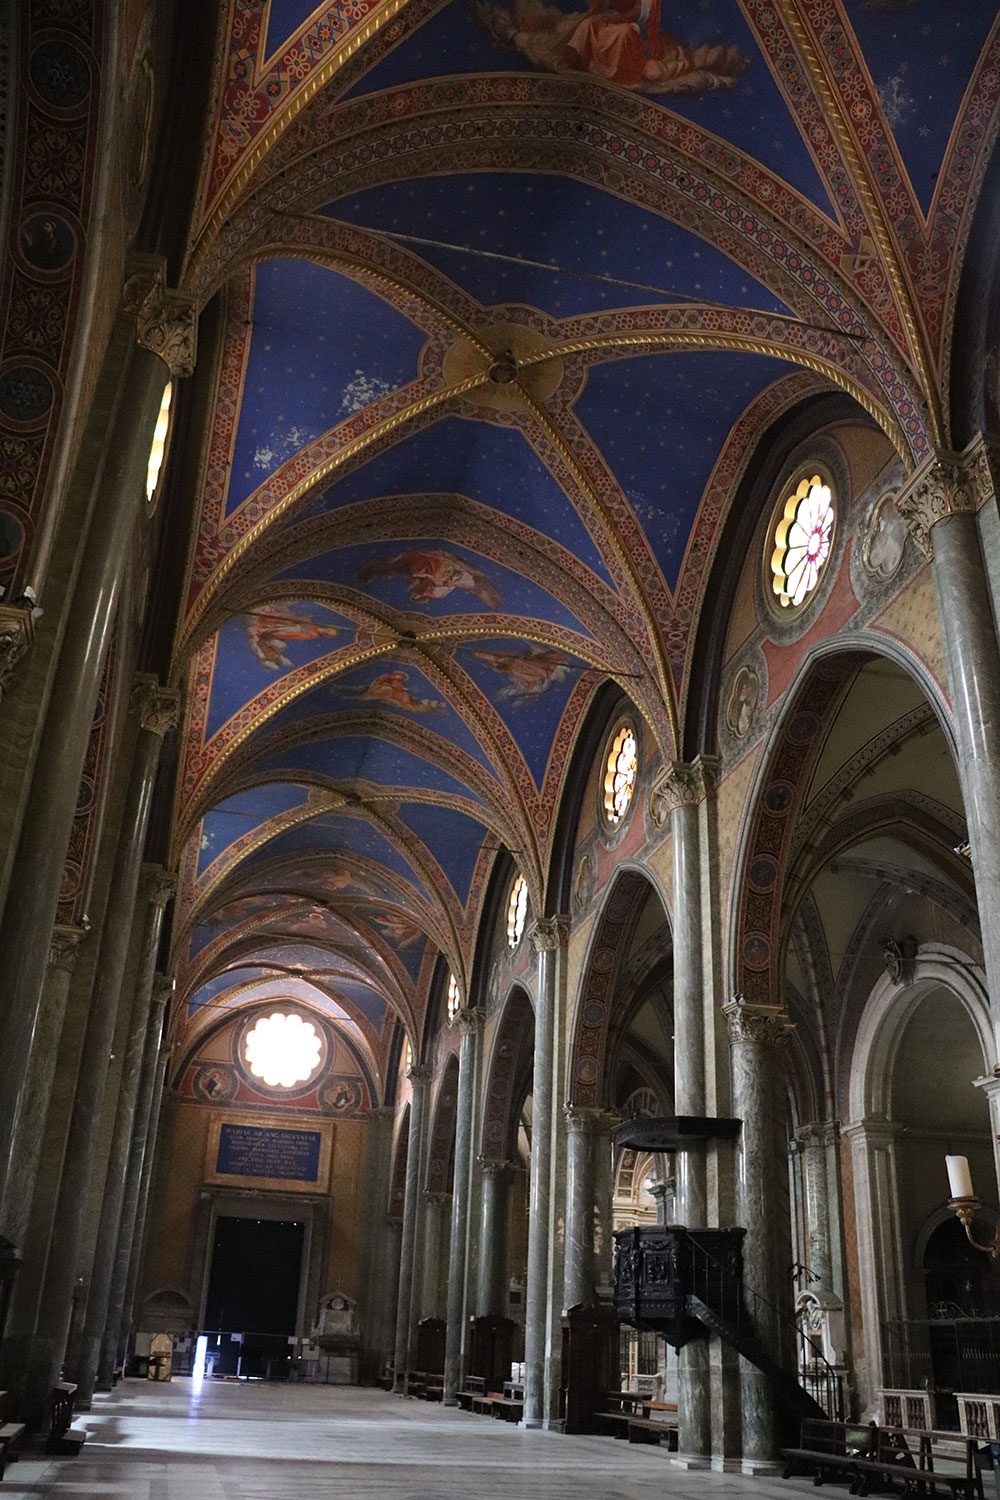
pixel 685 1284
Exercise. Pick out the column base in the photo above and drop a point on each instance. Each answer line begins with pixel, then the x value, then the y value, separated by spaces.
pixel 554 1424
pixel 450 1401
pixel 535 1423
pixel 726 1465
pixel 690 1461
pixel 761 1467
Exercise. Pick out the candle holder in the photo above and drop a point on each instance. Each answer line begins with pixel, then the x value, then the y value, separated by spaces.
pixel 964 1210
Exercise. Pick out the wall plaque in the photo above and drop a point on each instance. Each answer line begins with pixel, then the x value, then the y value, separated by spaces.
pixel 259 1151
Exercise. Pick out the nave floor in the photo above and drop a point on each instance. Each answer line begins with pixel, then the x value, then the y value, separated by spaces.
pixel 257 1442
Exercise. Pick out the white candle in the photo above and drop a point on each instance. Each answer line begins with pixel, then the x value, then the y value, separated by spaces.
pixel 959 1176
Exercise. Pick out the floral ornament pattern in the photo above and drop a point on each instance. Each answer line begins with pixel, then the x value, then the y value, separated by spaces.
pixel 802 542
pixel 620 774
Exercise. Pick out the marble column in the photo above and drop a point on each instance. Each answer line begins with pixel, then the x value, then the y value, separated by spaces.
pixel 156 712
pixel 30 911
pixel 494 1238
pixel 152 995
pixel 940 505
pixel 436 1208
pixel 681 790
pixel 581 1132
pixel 29 1217
pixel 470 1023
pixel 388 1292
pixel 419 1078
pixel 141 1048
pixel 881 1263
pixel 756 1034
pixel 814 1142
pixel 604 1202
pixel 375 1269
pixel 142 1209
pixel 548 936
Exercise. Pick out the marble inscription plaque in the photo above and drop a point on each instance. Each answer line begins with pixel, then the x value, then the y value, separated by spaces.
pixel 261 1151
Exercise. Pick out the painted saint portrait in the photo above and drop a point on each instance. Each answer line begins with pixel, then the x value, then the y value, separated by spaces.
pixel 617 40
pixel 394 688
pixel 398 927
pixel 529 673
pixel 434 574
pixel 270 629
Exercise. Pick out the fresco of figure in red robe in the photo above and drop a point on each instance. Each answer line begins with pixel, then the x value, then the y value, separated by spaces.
pixel 394 688
pixel 617 40
pixel 434 574
pixel 270 628
pixel 529 673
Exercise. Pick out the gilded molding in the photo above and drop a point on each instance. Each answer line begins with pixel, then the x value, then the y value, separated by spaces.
pixel 158 708
pixel 64 945
pixel 682 785
pixel 549 933
pixel 761 1025
pixel 166 321
pixel 17 631
pixel 948 484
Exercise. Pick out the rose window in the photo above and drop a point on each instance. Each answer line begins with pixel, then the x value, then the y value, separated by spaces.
pixel 282 1050
pixel 802 542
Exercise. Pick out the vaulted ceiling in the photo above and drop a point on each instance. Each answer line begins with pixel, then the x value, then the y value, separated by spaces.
pixel 508 297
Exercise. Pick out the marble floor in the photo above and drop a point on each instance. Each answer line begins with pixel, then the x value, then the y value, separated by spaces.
pixel 256 1442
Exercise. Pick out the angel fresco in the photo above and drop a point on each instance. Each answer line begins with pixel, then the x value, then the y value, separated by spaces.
pixel 394 688
pixel 434 574
pixel 402 931
pixel 529 673
pixel 269 629
pixel 617 40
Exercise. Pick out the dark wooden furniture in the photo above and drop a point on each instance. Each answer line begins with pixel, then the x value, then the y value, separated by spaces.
pixel 590 1350
pixel 875 1458
pixel 491 1348
pixel 474 1386
pixel 431 1334
pixel 510 1406
pixel 641 1419
pixel 11 1436
pixel 63 1437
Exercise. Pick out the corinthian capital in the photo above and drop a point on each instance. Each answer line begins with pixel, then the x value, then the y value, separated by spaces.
pixel 157 707
pixel 763 1025
pixel 420 1073
pixel 64 944
pixel 166 322
pixel 470 1022
pixel 163 987
pixel 549 933
pixel 948 484
pixel 682 785
pixel 160 885
pixel 17 631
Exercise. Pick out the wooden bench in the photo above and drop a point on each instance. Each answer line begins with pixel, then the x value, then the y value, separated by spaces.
pixel 433 1388
pixel 875 1457
pixel 475 1385
pixel 510 1406
pixel 644 1427
pixel 63 1438
pixel 483 1405
pixel 11 1436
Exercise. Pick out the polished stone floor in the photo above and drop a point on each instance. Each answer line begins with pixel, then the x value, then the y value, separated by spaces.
pixel 257 1442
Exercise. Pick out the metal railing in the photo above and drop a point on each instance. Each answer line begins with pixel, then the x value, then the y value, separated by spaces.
pixel 765 1335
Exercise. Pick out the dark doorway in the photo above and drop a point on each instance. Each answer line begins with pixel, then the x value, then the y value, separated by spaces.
pixel 253 1291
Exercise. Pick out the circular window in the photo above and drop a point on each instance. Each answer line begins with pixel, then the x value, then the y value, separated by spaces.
pixel 159 444
pixel 803 538
pixel 620 774
pixel 454 998
pixel 517 911
pixel 282 1050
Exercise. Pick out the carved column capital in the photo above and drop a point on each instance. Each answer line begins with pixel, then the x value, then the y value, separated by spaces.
pixel 17 631
pixel 64 945
pixel 581 1119
pixel 549 933
pixel 948 484
pixel 820 1133
pixel 434 1195
pixel 166 321
pixel 469 1022
pixel 682 784
pixel 420 1073
pixel 489 1167
pixel 163 988
pixel 160 886
pixel 762 1025
pixel 157 707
